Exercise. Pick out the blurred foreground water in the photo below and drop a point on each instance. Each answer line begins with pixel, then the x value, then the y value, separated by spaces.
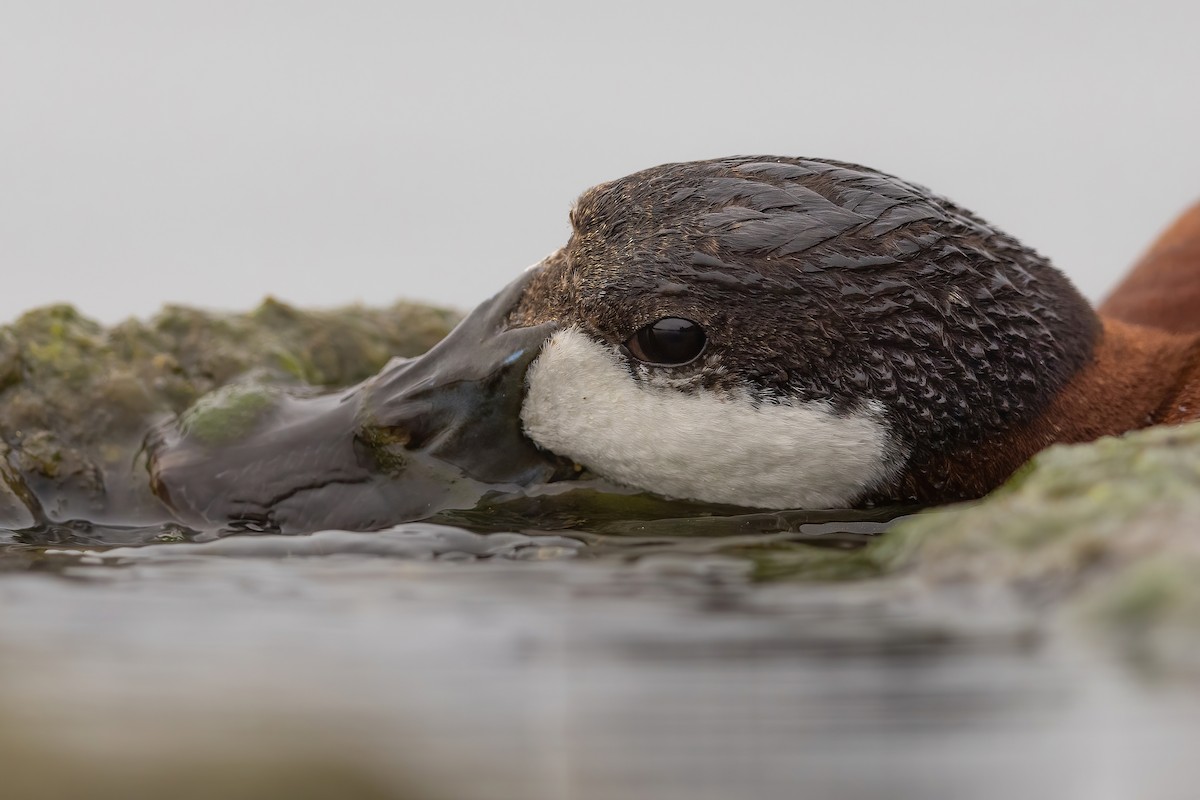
pixel 429 662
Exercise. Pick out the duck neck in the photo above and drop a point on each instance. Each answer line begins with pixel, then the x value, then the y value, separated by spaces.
pixel 1136 377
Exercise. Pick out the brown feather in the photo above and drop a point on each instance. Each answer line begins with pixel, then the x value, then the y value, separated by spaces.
pixel 1163 289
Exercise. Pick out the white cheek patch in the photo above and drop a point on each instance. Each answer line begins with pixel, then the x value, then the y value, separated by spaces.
pixel 583 403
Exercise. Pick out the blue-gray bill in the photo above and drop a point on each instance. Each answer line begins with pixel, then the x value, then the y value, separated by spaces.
pixel 427 434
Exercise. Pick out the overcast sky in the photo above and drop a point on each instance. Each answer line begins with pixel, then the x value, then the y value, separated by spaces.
pixel 211 153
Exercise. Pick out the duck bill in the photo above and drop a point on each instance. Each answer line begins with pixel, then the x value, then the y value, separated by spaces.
pixel 460 403
pixel 436 432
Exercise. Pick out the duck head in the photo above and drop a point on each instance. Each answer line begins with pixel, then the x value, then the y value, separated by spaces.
pixel 793 333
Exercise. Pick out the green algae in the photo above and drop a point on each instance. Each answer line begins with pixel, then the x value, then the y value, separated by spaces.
pixel 227 414
pixel 591 504
pixel 1101 537
pixel 1148 611
pixel 811 560
pixel 386 445
pixel 1073 508
pixel 1148 593
pixel 801 561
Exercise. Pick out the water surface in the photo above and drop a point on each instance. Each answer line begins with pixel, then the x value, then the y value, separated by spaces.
pixel 432 661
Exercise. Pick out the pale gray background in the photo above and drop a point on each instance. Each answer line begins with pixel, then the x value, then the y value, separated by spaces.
pixel 211 153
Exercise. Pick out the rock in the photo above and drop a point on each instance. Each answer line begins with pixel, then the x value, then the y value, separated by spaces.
pixel 1071 513
pixel 1106 535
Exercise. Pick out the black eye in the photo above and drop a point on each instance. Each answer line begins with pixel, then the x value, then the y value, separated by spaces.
pixel 671 341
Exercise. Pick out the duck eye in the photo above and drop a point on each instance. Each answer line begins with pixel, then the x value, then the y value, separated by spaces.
pixel 670 341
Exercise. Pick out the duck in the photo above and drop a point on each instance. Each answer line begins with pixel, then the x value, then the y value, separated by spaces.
pixel 759 332
pixel 778 332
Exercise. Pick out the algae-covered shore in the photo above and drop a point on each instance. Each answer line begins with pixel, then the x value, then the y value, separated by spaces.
pixel 1104 535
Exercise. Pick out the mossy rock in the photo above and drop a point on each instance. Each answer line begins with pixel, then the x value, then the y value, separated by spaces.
pixel 1102 537
pixel 1072 510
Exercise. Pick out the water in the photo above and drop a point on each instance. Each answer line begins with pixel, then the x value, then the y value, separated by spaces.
pixel 430 661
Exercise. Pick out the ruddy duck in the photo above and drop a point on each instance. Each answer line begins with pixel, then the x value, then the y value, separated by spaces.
pixel 757 331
